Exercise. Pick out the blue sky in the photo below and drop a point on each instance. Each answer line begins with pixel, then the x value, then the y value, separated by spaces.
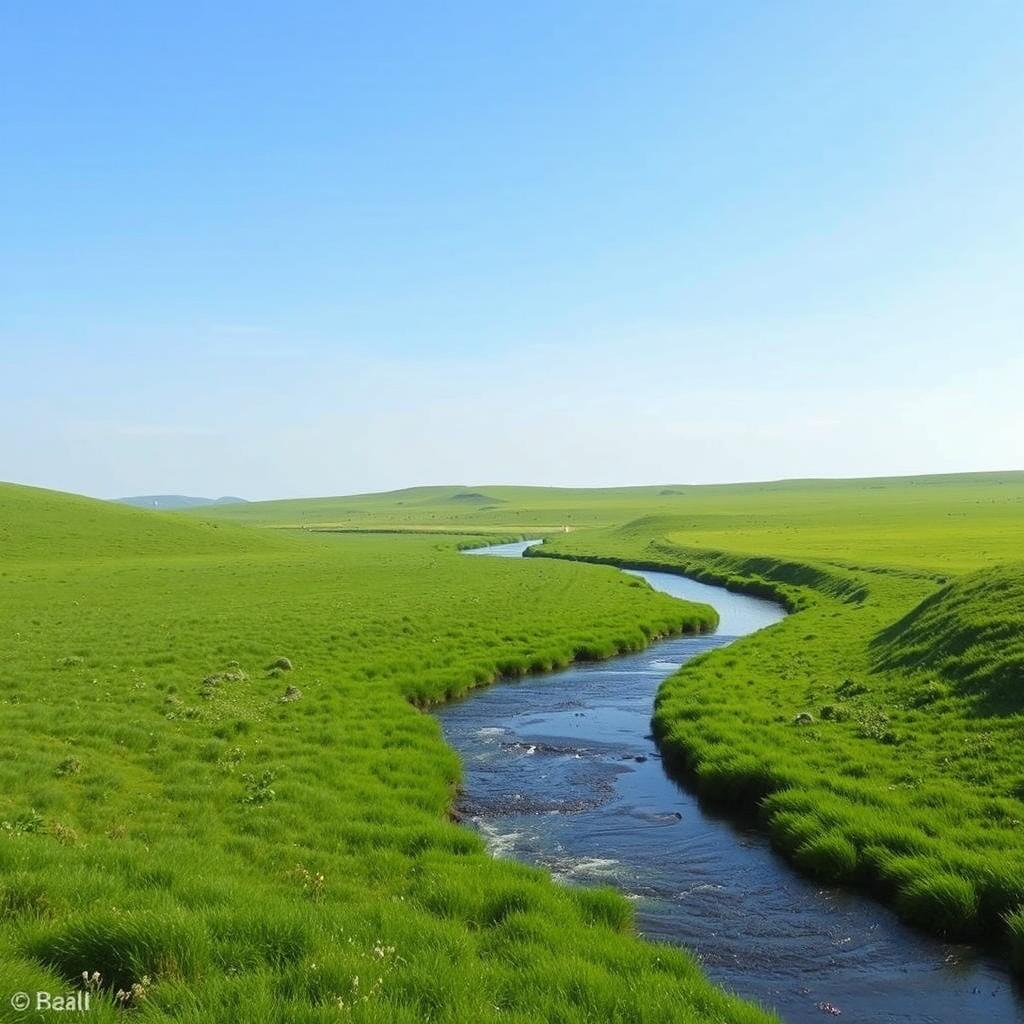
pixel 279 250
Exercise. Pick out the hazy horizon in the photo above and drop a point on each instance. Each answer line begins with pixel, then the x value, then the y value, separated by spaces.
pixel 332 251
pixel 492 484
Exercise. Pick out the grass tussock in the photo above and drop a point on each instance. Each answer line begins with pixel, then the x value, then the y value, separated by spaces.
pixel 941 901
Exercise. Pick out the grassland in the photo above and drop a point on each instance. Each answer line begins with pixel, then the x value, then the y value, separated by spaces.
pixel 219 794
pixel 261 843
pixel 879 730
pixel 938 523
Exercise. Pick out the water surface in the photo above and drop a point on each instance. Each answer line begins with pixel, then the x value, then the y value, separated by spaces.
pixel 561 771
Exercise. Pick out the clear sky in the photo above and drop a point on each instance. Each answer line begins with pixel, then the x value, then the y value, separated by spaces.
pixel 277 249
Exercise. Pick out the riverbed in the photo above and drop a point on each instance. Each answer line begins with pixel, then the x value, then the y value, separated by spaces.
pixel 561 771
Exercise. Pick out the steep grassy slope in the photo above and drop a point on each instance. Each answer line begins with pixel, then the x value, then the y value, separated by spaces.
pixel 880 729
pixel 249 839
pixel 970 635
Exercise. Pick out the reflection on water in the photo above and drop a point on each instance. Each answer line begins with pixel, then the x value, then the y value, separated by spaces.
pixel 561 771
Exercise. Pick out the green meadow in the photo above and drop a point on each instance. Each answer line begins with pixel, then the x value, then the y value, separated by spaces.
pixel 942 523
pixel 878 731
pixel 220 796
pixel 221 799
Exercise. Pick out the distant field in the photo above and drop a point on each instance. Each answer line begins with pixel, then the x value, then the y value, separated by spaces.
pixel 945 523
pixel 248 839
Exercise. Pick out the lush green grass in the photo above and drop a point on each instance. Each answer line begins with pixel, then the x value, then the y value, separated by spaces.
pixel 48 526
pixel 936 523
pixel 165 814
pixel 240 840
pixel 880 728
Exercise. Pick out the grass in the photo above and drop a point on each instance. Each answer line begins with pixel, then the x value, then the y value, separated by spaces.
pixel 201 849
pixel 222 836
pixel 878 730
pixel 1015 926
pixel 941 524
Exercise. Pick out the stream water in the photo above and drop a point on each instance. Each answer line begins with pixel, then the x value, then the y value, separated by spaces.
pixel 561 771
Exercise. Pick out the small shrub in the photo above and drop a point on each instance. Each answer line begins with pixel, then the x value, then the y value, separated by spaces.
pixel 69 766
pixel 258 787
pixel 178 709
pixel 929 694
pixel 850 688
pixel 283 664
pixel 804 718
pixel 292 693
pixel 232 674
pixel 231 759
pixel 64 834
pixel 24 824
pixel 873 724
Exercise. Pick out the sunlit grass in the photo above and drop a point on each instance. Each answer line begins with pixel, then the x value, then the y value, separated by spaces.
pixel 169 822
pixel 880 728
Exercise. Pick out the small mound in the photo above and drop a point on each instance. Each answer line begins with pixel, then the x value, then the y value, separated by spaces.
pixel 475 498
pixel 970 633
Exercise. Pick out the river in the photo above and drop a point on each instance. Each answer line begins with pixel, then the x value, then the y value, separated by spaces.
pixel 561 771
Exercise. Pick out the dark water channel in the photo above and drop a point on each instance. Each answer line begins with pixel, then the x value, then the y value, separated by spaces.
pixel 560 771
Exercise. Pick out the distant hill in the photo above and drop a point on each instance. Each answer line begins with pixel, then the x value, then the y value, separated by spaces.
pixel 711 513
pixel 38 525
pixel 173 501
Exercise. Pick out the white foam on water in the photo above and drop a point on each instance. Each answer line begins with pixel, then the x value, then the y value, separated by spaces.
pixel 499 844
pixel 586 867
pixel 700 887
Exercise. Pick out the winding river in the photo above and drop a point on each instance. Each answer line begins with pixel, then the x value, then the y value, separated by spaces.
pixel 561 771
